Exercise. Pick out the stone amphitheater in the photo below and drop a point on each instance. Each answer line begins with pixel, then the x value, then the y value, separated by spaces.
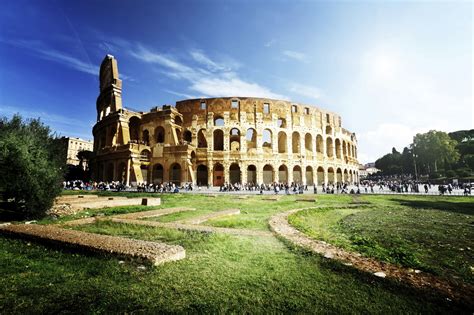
pixel 212 141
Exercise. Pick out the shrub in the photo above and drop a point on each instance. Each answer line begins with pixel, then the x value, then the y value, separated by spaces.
pixel 31 165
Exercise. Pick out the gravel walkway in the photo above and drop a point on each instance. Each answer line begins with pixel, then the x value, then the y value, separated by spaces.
pixel 279 225
pixel 152 252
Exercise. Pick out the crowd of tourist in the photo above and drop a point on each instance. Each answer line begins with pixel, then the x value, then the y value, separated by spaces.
pixel 275 187
pixel 387 185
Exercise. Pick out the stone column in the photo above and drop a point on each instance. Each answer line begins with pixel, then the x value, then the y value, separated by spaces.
pixel 324 153
pixel 326 178
pixel 259 173
pixel 290 173
pixel 210 175
pixel 302 144
pixel 289 143
pixel 275 141
pixel 303 174
pixel 127 173
pixel 243 141
pixel 226 172
pixel 226 133
pixel 276 175
pixel 243 171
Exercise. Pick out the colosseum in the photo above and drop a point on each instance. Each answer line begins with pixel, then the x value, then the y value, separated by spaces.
pixel 212 141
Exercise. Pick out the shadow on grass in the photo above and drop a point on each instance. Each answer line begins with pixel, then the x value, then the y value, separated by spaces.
pixel 456 207
pixel 462 306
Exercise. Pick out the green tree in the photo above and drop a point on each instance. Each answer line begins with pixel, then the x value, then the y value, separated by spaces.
pixel 31 165
pixel 390 163
pixel 433 149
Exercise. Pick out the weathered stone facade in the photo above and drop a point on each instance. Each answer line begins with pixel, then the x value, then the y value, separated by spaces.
pixel 219 140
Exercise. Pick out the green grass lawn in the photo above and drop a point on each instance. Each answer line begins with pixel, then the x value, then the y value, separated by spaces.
pixel 221 273
pixel 433 234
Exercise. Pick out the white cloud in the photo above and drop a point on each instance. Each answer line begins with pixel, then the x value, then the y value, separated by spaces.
pixel 296 55
pixel 232 87
pixel 216 79
pixel 375 143
pixel 305 90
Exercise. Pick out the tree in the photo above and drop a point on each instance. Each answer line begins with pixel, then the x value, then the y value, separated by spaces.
pixel 390 163
pixel 434 148
pixel 31 165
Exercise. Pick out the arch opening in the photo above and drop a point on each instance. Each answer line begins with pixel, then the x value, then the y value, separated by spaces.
pixel 295 141
pixel 251 138
pixel 308 143
pixel 282 145
pixel 218 140
pixel 134 126
pixel 218 175
pixel 202 142
pixel 234 173
pixel 267 140
pixel 175 174
pixel 297 174
pixel 283 174
pixel 202 175
pixel 160 134
pixel 268 174
pixel 234 139
pixel 187 136
pixel 251 174
pixel 158 172
pixel 309 175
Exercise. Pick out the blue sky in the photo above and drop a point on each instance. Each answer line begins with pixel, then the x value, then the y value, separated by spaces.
pixel 390 69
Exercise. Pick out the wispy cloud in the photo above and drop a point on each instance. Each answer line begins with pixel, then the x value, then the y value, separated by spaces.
pixel 295 55
pixel 9 111
pixel 187 96
pixel 63 125
pixel 45 52
pixel 211 65
pixel 270 43
pixel 206 76
pixel 305 90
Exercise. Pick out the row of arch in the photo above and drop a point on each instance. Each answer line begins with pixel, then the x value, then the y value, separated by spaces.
pixel 269 174
pixel 332 147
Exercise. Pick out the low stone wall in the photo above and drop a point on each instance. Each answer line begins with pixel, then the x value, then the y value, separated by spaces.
pixel 152 252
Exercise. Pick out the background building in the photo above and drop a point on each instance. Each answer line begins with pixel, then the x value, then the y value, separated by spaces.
pixel 214 141
pixel 74 146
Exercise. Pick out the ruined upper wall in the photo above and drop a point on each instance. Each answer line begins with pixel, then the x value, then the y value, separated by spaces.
pixel 253 106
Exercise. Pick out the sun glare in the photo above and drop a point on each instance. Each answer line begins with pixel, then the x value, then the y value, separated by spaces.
pixel 384 66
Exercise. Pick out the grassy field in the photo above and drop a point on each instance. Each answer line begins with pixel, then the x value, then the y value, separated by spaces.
pixel 229 273
pixel 431 234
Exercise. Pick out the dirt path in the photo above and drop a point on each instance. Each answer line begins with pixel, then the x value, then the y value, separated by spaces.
pixel 460 292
